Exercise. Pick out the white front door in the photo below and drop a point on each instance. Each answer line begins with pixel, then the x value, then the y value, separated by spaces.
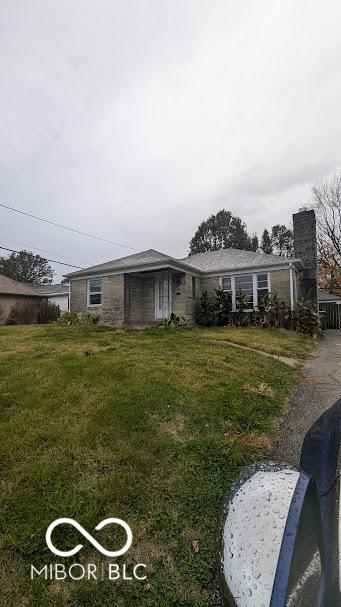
pixel 163 295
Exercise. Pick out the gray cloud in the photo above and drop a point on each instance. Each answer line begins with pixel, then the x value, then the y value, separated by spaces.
pixel 136 120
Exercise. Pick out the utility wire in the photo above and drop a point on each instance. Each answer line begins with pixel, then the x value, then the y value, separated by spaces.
pixel 30 246
pixel 51 260
pixel 58 225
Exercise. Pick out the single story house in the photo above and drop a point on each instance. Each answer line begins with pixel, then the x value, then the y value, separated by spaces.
pixel 143 288
pixel 13 293
pixel 57 294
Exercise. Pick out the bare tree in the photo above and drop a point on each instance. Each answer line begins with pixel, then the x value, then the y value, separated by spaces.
pixel 329 267
pixel 327 205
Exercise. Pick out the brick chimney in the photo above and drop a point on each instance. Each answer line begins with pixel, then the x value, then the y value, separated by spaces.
pixel 305 249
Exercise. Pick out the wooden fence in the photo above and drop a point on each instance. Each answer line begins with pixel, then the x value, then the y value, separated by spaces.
pixel 330 314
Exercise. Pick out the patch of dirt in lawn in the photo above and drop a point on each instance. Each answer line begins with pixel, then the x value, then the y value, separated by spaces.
pixel 175 426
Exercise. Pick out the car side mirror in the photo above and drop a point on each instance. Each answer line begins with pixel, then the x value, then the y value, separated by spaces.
pixel 279 538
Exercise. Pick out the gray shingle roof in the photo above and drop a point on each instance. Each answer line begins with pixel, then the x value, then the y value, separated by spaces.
pixel 12 287
pixel 230 259
pixel 224 259
pixel 324 296
pixel 54 289
pixel 136 259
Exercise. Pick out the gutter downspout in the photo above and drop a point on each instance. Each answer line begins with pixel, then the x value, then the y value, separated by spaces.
pixel 291 286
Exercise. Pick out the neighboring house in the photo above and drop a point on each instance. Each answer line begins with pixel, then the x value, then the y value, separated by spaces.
pixel 57 294
pixel 143 288
pixel 13 293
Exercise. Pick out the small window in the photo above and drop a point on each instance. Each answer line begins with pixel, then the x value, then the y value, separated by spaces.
pixel 95 291
pixel 193 287
pixel 262 285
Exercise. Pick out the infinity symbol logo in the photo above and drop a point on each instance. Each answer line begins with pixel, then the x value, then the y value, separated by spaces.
pixel 104 523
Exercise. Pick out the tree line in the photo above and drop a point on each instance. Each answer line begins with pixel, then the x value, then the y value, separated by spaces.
pixel 224 230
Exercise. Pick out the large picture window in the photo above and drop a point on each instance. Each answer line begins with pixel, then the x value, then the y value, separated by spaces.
pixel 253 286
pixel 95 292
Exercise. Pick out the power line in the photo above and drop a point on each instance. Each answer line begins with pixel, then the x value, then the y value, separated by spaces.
pixel 58 225
pixel 51 260
pixel 30 246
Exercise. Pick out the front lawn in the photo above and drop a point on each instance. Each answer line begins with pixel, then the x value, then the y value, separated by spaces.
pixel 273 341
pixel 150 427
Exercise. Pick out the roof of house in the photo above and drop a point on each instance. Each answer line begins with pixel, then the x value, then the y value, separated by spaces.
pixel 230 259
pixel 144 258
pixel 12 287
pixel 58 289
pixel 324 296
pixel 224 259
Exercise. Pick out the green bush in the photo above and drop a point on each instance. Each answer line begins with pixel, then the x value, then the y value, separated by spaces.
pixel 174 321
pixel 77 318
pixel 271 312
pixel 222 307
pixel 204 313
pixel 304 319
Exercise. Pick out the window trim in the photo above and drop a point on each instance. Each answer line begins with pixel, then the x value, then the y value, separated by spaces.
pixel 90 305
pixel 254 286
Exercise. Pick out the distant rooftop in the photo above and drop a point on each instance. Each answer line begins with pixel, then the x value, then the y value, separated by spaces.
pixel 12 287
pixel 51 289
pixel 324 296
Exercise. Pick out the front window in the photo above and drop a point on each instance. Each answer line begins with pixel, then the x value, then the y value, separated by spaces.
pixel 252 286
pixel 244 286
pixel 95 291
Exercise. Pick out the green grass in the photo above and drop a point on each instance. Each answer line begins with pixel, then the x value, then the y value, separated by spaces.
pixel 150 427
pixel 273 341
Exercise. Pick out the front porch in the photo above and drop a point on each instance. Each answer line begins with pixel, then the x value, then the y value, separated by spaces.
pixel 149 297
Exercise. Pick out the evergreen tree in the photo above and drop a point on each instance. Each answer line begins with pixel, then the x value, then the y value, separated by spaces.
pixel 266 244
pixel 221 231
pixel 26 267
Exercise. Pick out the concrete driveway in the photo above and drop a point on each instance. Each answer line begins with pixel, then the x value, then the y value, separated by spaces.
pixel 319 388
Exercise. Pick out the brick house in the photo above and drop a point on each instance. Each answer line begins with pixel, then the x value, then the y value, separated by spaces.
pixel 143 288
pixel 12 294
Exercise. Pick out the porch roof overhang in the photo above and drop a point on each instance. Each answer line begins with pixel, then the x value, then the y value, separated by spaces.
pixel 141 268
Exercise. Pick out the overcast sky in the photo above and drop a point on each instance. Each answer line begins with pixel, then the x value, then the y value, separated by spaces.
pixel 135 120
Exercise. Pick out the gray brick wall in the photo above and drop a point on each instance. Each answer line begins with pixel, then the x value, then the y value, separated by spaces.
pixel 280 284
pixel 140 297
pixel 111 312
pixel 210 284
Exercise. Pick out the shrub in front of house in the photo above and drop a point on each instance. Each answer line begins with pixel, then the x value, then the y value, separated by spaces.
pixel 33 312
pixel 271 312
pixel 304 318
pixel 77 318
pixel 174 321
